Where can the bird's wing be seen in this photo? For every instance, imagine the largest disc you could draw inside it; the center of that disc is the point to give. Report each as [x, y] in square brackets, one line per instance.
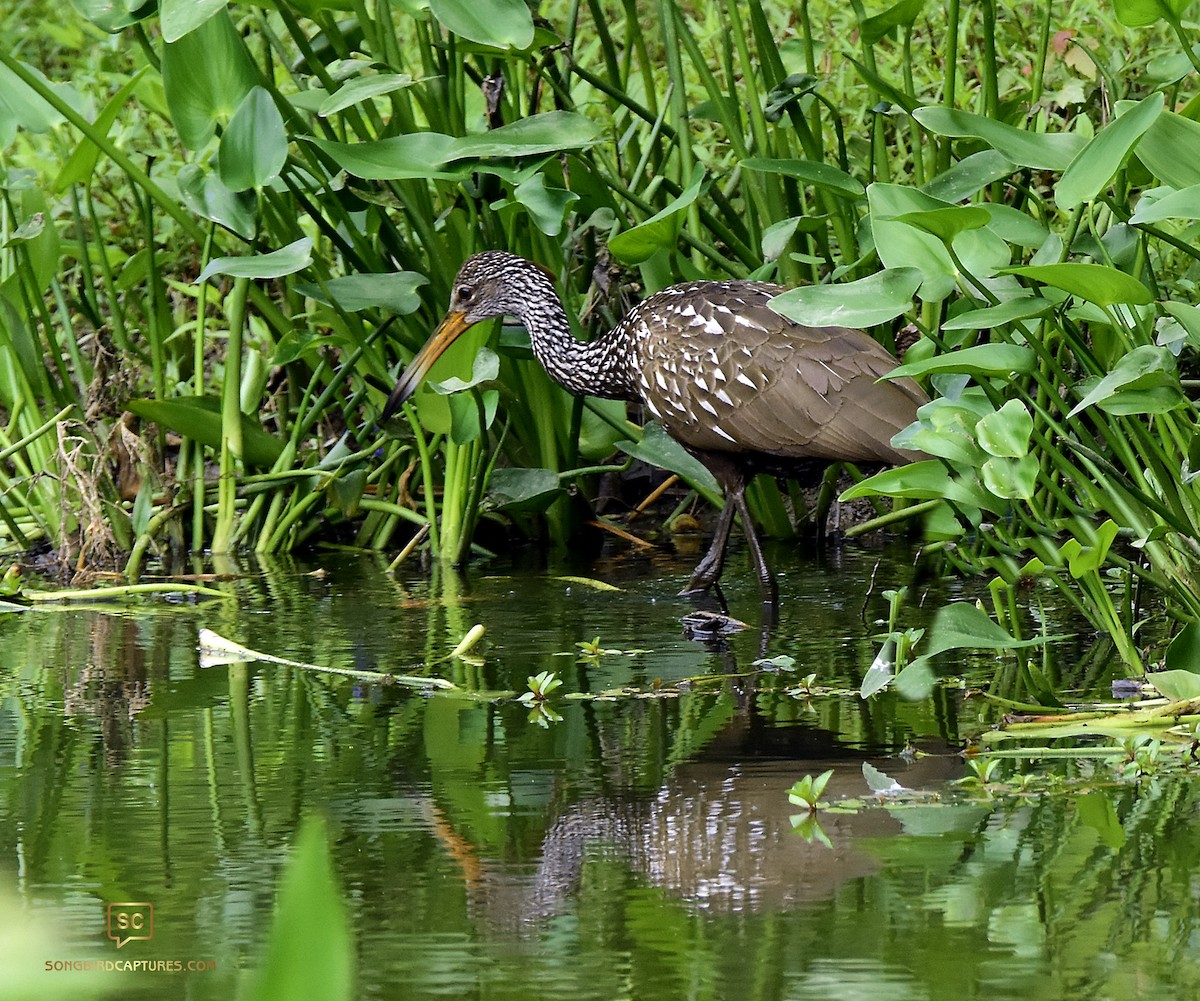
[725, 372]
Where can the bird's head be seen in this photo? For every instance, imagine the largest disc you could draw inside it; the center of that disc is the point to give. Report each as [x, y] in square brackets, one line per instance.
[491, 284]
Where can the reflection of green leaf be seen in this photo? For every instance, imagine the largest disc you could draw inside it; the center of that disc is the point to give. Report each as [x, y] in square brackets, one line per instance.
[1096, 810]
[310, 954]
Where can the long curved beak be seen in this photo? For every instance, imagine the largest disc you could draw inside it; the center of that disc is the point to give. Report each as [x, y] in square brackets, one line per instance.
[445, 335]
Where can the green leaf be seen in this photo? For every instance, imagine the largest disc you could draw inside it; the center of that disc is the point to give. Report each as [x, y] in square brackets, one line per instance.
[254, 144]
[1094, 167]
[1006, 432]
[962, 625]
[525, 491]
[114, 17]
[178, 17]
[1022, 308]
[947, 223]
[471, 414]
[1041, 151]
[873, 29]
[875, 299]
[82, 161]
[1011, 478]
[205, 195]
[968, 175]
[361, 89]
[395, 291]
[285, 261]
[504, 24]
[1096, 810]
[1084, 559]
[660, 231]
[199, 418]
[1175, 685]
[310, 954]
[659, 449]
[924, 480]
[484, 369]
[1147, 367]
[1182, 204]
[206, 74]
[1094, 282]
[983, 360]
[1184, 652]
[1170, 150]
[549, 132]
[1187, 316]
[417, 155]
[547, 207]
[821, 175]
[1140, 13]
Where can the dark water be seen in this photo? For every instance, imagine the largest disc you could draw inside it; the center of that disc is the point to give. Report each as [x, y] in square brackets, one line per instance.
[642, 847]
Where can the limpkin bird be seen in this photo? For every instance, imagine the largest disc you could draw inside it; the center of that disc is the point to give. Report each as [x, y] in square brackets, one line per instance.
[741, 387]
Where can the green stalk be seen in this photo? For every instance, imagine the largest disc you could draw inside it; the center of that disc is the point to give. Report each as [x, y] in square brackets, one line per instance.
[231, 419]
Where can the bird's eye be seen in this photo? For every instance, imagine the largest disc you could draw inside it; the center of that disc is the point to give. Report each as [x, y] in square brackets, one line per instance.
[465, 293]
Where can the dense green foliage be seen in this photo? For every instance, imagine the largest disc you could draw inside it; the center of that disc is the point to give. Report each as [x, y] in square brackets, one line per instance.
[235, 232]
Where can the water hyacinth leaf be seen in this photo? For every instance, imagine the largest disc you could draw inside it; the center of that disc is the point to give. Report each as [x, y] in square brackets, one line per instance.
[205, 75]
[1183, 654]
[777, 236]
[1094, 282]
[361, 89]
[1183, 204]
[1006, 432]
[199, 418]
[925, 480]
[879, 675]
[525, 491]
[254, 144]
[1021, 308]
[178, 17]
[916, 680]
[537, 135]
[659, 449]
[345, 492]
[1146, 367]
[547, 207]
[962, 625]
[310, 930]
[969, 175]
[204, 194]
[820, 175]
[875, 299]
[423, 155]
[1041, 151]
[873, 29]
[485, 369]
[660, 231]
[1140, 13]
[947, 223]
[395, 292]
[1094, 167]
[285, 261]
[980, 361]
[1187, 316]
[1175, 685]
[1170, 150]
[114, 17]
[504, 24]
[471, 414]
[1011, 478]
[903, 246]
[23, 108]
[1084, 559]
[1016, 227]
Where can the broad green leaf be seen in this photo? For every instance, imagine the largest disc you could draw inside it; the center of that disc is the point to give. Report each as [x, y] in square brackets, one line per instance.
[1140, 13]
[361, 89]
[1183, 654]
[659, 449]
[310, 953]
[1170, 150]
[345, 492]
[206, 74]
[205, 195]
[1146, 367]
[1096, 283]
[199, 418]
[875, 299]
[947, 223]
[1182, 204]
[1084, 559]
[549, 132]
[1041, 151]
[1022, 308]
[875, 28]
[471, 414]
[777, 236]
[881, 672]
[1006, 431]
[1017, 227]
[114, 17]
[485, 369]
[1094, 167]
[178, 17]
[660, 231]
[82, 161]
[254, 144]
[821, 175]
[1012, 478]
[505, 24]
[1175, 685]
[925, 480]
[982, 360]
[962, 625]
[547, 207]
[1187, 316]
[285, 261]
[527, 491]
[395, 291]
[970, 174]
[424, 155]
[23, 108]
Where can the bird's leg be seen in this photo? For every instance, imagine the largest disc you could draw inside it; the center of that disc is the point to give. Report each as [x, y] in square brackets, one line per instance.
[709, 569]
[765, 578]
